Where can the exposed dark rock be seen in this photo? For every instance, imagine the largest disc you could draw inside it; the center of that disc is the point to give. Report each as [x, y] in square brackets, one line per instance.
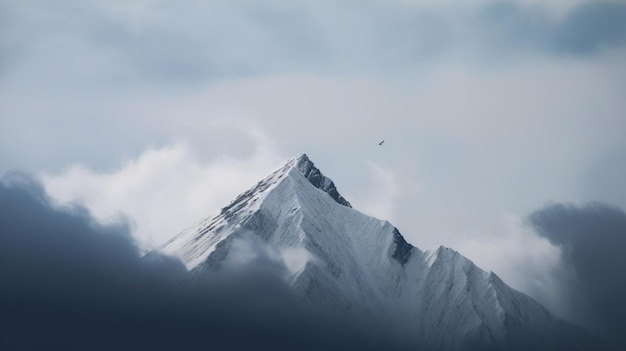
[403, 249]
[315, 177]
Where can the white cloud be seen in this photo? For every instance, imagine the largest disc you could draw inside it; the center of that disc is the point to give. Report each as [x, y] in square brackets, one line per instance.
[383, 193]
[249, 251]
[296, 258]
[526, 262]
[164, 189]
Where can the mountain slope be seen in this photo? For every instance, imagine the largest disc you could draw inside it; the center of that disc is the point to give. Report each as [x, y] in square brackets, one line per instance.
[339, 259]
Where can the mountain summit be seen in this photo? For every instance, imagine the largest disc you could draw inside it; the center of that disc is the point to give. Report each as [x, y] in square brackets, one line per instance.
[337, 258]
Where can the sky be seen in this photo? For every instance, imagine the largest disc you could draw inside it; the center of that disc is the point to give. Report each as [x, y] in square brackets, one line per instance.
[503, 121]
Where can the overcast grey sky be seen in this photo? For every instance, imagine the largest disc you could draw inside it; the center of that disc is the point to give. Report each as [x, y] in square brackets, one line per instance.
[163, 111]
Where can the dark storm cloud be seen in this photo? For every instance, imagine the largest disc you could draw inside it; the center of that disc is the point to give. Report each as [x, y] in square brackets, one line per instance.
[67, 282]
[586, 29]
[593, 241]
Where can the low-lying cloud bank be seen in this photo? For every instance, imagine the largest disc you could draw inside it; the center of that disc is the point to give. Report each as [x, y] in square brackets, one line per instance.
[68, 282]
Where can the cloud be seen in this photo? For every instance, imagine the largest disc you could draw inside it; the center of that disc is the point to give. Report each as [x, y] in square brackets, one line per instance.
[81, 89]
[83, 82]
[593, 27]
[163, 190]
[67, 282]
[569, 258]
[41, 244]
[592, 239]
[496, 143]
[157, 43]
[251, 253]
[526, 262]
[385, 188]
[585, 29]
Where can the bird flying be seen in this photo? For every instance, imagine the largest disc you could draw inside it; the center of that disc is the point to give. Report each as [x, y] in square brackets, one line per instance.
[381, 142]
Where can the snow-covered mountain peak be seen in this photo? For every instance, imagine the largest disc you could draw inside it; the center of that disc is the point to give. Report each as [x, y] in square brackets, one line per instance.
[338, 258]
[315, 177]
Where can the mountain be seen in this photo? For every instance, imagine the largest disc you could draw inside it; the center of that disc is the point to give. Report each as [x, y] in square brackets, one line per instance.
[341, 260]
